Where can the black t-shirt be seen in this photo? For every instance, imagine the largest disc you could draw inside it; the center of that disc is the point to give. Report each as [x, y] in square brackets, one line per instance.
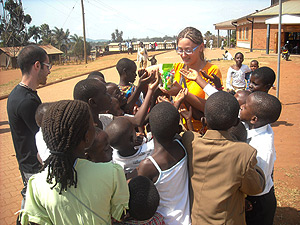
[21, 106]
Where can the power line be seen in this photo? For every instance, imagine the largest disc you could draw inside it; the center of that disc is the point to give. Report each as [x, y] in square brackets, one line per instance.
[69, 13]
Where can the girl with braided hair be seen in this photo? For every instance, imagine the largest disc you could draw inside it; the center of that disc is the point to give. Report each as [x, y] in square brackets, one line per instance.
[71, 189]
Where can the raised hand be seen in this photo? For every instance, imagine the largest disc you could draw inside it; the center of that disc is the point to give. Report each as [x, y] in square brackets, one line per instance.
[190, 74]
[181, 95]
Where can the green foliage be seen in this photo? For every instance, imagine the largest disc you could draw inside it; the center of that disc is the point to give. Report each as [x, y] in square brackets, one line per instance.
[34, 32]
[46, 34]
[117, 36]
[13, 24]
[78, 46]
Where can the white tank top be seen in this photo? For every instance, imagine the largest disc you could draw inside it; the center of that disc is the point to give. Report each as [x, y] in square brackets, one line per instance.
[172, 185]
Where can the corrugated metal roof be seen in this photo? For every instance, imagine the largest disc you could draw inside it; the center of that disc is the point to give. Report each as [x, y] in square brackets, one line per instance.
[291, 7]
[226, 25]
[14, 51]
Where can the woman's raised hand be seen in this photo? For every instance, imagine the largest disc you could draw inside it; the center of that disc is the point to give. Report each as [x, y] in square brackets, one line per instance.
[190, 74]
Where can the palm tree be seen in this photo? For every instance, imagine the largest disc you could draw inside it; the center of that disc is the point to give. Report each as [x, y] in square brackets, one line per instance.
[34, 32]
[45, 34]
[77, 44]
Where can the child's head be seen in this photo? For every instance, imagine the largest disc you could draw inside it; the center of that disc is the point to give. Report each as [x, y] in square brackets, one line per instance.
[226, 51]
[115, 107]
[100, 151]
[68, 128]
[164, 121]
[127, 70]
[241, 96]
[262, 79]
[94, 93]
[96, 75]
[144, 198]
[260, 109]
[254, 65]
[122, 135]
[115, 91]
[239, 132]
[221, 111]
[40, 112]
[239, 58]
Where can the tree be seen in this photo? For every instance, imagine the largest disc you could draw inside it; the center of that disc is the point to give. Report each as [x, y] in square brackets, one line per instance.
[46, 34]
[117, 36]
[12, 28]
[61, 38]
[208, 34]
[34, 32]
[78, 48]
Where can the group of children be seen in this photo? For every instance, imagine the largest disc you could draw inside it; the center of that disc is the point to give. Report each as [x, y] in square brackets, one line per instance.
[173, 177]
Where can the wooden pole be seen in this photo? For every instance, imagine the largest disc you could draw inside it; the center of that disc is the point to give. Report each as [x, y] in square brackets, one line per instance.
[84, 40]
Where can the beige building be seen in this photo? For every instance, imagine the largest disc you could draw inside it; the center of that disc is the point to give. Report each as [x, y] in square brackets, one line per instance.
[259, 30]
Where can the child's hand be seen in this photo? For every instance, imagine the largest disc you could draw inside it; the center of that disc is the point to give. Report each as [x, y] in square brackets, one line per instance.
[156, 76]
[145, 78]
[173, 90]
[181, 95]
[163, 99]
[213, 78]
[190, 74]
[186, 114]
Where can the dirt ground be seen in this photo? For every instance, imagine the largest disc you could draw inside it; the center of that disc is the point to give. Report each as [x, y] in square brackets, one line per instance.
[286, 129]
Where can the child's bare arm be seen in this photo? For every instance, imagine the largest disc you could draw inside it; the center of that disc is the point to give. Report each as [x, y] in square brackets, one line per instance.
[147, 169]
[187, 115]
[213, 78]
[139, 117]
[144, 80]
[180, 97]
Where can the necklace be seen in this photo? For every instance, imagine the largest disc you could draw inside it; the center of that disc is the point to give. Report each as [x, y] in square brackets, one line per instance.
[25, 86]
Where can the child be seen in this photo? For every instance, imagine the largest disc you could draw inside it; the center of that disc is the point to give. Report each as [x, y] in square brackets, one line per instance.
[260, 110]
[222, 170]
[143, 203]
[253, 66]
[227, 56]
[94, 93]
[262, 79]
[241, 96]
[153, 60]
[71, 189]
[122, 137]
[127, 72]
[100, 151]
[96, 75]
[237, 74]
[167, 167]
[43, 151]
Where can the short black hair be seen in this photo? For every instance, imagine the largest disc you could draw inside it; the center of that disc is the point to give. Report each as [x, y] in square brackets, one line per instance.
[40, 112]
[125, 63]
[86, 89]
[144, 198]
[29, 55]
[267, 107]
[221, 111]
[239, 132]
[266, 74]
[255, 61]
[96, 75]
[164, 121]
[238, 54]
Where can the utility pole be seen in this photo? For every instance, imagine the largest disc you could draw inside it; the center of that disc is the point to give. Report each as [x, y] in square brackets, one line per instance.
[84, 41]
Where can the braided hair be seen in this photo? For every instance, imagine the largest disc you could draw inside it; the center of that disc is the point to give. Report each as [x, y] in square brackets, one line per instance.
[194, 35]
[64, 126]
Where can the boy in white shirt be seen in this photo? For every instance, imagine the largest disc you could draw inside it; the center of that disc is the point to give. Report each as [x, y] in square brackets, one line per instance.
[260, 110]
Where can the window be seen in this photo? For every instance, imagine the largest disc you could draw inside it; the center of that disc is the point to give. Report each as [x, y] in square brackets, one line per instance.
[240, 33]
[247, 33]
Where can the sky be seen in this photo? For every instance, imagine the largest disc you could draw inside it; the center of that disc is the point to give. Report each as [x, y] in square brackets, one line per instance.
[138, 18]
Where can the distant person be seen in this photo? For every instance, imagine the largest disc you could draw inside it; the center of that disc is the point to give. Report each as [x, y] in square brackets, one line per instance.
[253, 66]
[260, 110]
[211, 41]
[262, 79]
[218, 186]
[222, 44]
[227, 56]
[142, 56]
[153, 60]
[120, 46]
[155, 46]
[165, 44]
[130, 47]
[22, 103]
[204, 41]
[236, 74]
[71, 189]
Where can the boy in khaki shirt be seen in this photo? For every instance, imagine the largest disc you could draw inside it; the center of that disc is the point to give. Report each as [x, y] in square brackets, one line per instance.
[221, 170]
